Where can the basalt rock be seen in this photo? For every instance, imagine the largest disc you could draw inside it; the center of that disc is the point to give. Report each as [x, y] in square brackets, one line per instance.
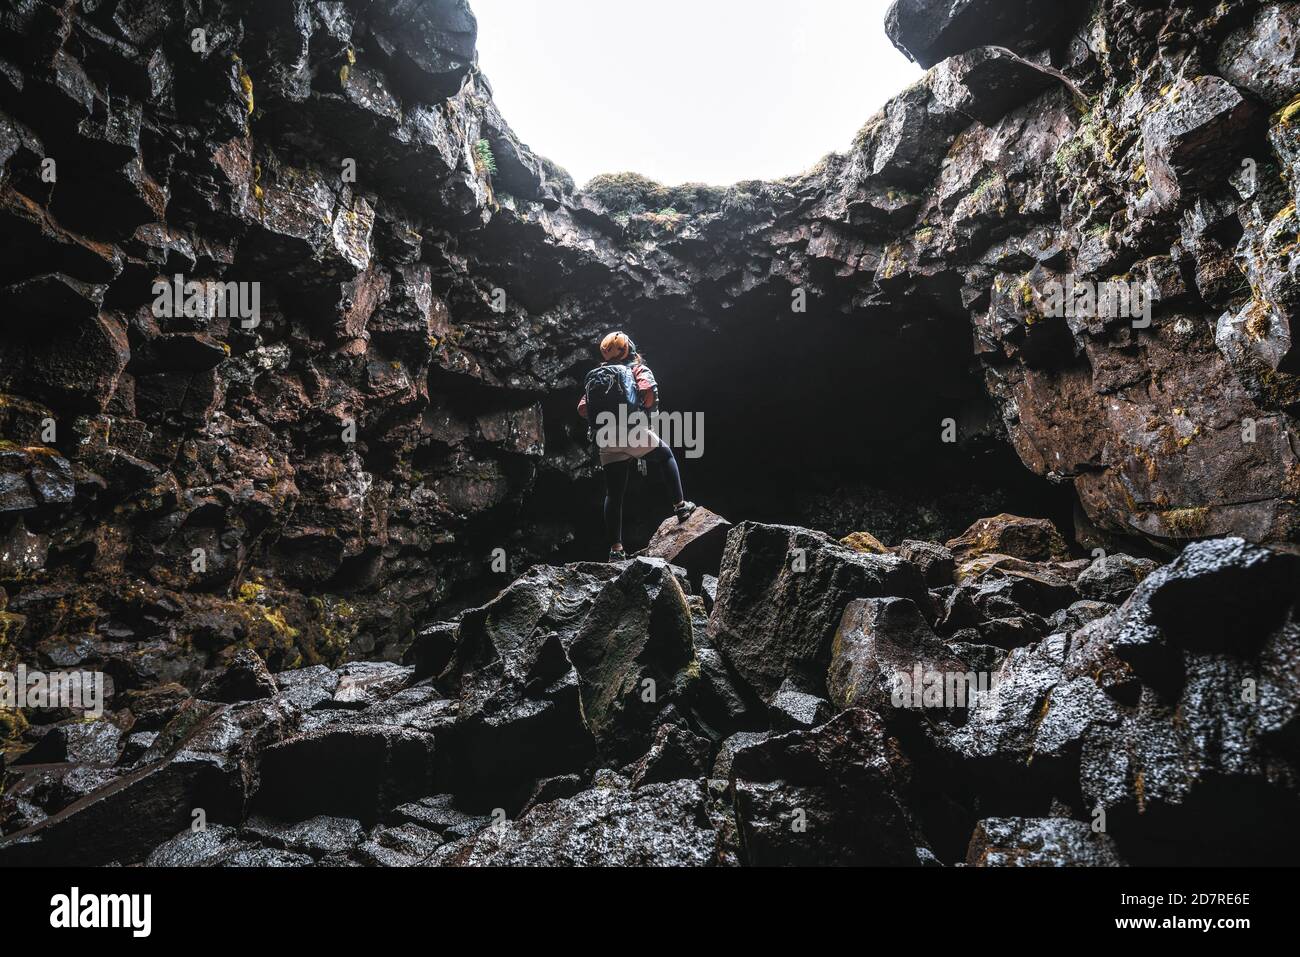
[254, 408]
[781, 593]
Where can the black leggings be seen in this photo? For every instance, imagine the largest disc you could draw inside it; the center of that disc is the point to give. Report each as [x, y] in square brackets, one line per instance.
[616, 474]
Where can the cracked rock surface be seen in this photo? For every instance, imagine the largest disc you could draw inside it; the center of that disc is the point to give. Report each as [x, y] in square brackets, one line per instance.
[277, 535]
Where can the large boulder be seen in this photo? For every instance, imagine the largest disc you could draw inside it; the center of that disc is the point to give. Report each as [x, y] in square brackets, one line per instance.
[832, 795]
[781, 594]
[1039, 842]
[928, 31]
[695, 544]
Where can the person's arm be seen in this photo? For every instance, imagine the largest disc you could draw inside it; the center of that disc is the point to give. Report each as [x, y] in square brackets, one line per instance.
[646, 386]
[582, 407]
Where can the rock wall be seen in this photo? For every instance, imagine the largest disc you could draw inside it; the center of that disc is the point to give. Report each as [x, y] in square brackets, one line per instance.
[176, 489]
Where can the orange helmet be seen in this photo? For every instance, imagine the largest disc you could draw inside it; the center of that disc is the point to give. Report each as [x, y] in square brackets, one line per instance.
[617, 347]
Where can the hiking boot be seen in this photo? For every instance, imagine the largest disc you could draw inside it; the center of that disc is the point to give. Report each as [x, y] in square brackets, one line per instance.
[617, 555]
[684, 511]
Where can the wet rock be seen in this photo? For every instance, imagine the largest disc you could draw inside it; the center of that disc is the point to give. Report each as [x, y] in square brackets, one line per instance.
[1261, 57]
[315, 837]
[1039, 842]
[403, 846]
[1031, 714]
[675, 753]
[1112, 578]
[833, 795]
[935, 561]
[1189, 140]
[440, 815]
[695, 544]
[1221, 595]
[988, 83]
[780, 597]
[1030, 539]
[431, 650]
[928, 31]
[654, 826]
[716, 697]
[205, 847]
[245, 678]
[553, 789]
[389, 766]
[126, 819]
[95, 742]
[793, 710]
[727, 751]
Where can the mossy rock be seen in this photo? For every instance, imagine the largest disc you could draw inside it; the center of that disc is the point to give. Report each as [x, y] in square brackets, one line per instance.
[864, 542]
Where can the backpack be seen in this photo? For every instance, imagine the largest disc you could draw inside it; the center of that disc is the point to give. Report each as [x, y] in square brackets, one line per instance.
[608, 388]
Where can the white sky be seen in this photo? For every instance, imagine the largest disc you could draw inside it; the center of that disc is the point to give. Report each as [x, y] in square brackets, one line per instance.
[714, 91]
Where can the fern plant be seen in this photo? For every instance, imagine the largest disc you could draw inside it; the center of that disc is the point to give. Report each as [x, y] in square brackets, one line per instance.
[484, 161]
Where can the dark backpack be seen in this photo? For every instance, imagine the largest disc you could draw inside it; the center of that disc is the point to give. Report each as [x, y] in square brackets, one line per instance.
[608, 388]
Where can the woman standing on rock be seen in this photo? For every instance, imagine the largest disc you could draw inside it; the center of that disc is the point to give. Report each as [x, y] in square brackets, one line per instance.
[618, 396]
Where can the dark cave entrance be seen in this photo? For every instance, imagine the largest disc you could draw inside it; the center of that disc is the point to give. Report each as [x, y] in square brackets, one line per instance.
[831, 420]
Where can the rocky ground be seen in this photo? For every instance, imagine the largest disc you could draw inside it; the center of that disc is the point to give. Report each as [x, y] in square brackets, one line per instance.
[253, 530]
[615, 714]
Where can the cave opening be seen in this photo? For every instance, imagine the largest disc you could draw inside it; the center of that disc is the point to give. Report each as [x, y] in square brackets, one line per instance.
[832, 419]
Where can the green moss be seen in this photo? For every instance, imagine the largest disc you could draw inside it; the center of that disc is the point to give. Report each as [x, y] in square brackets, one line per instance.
[637, 195]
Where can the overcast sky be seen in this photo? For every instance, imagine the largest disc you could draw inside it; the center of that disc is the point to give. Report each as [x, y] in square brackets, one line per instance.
[715, 91]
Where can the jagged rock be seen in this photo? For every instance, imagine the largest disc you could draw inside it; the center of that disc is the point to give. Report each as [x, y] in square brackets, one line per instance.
[988, 83]
[935, 561]
[833, 795]
[675, 753]
[176, 489]
[727, 751]
[126, 819]
[403, 846]
[780, 597]
[792, 710]
[1213, 639]
[245, 678]
[656, 826]
[95, 742]
[1041, 842]
[1030, 539]
[1262, 56]
[695, 544]
[716, 698]
[1112, 578]
[931, 30]
[879, 646]
[1189, 140]
[432, 649]
[205, 847]
[388, 766]
[316, 837]
[864, 542]
[440, 815]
